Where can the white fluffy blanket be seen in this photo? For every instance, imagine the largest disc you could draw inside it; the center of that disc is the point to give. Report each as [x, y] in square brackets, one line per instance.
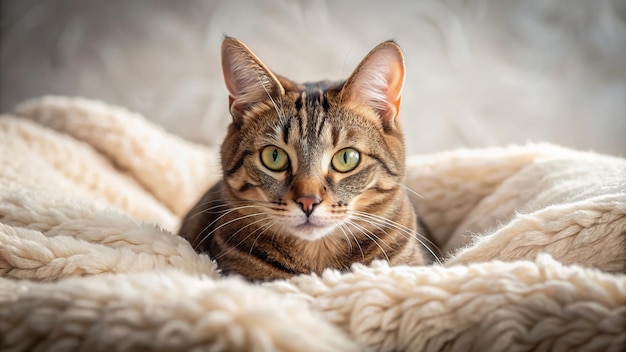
[90, 195]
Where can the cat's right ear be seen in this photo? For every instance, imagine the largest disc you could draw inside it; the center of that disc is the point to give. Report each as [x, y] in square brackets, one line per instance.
[377, 81]
[248, 80]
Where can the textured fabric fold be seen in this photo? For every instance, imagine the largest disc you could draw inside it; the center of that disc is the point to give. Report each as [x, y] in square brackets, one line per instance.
[91, 196]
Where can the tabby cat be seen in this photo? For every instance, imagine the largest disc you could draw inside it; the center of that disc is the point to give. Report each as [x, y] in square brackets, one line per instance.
[312, 173]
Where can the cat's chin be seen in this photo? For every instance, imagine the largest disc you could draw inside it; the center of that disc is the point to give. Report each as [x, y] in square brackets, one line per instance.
[310, 232]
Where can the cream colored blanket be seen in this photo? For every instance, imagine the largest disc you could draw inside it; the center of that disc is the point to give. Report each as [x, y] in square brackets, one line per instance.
[90, 196]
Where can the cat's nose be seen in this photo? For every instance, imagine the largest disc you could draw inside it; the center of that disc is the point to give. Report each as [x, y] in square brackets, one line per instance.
[308, 203]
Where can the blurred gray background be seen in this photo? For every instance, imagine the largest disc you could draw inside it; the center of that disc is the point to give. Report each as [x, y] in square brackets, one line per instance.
[479, 72]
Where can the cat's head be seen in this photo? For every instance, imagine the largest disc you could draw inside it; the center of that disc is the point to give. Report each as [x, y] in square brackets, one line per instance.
[308, 159]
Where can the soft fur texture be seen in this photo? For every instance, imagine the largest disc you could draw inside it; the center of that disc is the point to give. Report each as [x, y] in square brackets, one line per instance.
[90, 195]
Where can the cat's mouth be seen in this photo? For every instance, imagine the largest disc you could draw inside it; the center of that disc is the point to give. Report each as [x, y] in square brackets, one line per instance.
[311, 230]
[307, 225]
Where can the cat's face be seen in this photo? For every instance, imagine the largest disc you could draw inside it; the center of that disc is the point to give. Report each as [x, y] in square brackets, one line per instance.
[307, 160]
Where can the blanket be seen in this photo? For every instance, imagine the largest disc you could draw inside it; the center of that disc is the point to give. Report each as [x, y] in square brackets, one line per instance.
[91, 196]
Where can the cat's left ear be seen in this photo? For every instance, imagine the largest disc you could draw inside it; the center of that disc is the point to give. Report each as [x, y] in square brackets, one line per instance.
[377, 81]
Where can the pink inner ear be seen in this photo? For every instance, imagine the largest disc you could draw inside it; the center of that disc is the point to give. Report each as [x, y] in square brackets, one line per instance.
[242, 76]
[378, 81]
[231, 85]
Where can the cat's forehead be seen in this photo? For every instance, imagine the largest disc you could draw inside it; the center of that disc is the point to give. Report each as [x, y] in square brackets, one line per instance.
[316, 117]
[311, 90]
[309, 118]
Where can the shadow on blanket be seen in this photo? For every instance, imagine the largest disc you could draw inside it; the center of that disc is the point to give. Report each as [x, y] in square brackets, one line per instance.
[90, 195]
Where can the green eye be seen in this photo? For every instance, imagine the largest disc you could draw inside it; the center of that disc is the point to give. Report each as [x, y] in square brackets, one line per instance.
[274, 158]
[346, 160]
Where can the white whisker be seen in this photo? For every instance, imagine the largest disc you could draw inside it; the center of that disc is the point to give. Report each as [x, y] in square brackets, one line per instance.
[271, 99]
[347, 239]
[245, 238]
[264, 230]
[403, 230]
[226, 223]
[244, 227]
[365, 231]
[355, 240]
[228, 206]
[410, 190]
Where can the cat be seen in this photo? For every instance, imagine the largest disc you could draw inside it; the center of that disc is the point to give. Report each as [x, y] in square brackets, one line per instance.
[312, 173]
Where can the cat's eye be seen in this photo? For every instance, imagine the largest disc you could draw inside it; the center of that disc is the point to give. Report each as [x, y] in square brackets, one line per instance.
[346, 160]
[274, 158]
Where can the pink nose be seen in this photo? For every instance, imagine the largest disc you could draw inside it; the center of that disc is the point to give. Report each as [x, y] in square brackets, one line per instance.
[308, 203]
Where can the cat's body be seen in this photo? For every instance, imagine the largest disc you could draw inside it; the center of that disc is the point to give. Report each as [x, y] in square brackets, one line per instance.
[312, 173]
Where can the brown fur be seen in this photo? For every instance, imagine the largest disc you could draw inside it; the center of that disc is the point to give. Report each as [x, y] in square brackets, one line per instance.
[252, 222]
